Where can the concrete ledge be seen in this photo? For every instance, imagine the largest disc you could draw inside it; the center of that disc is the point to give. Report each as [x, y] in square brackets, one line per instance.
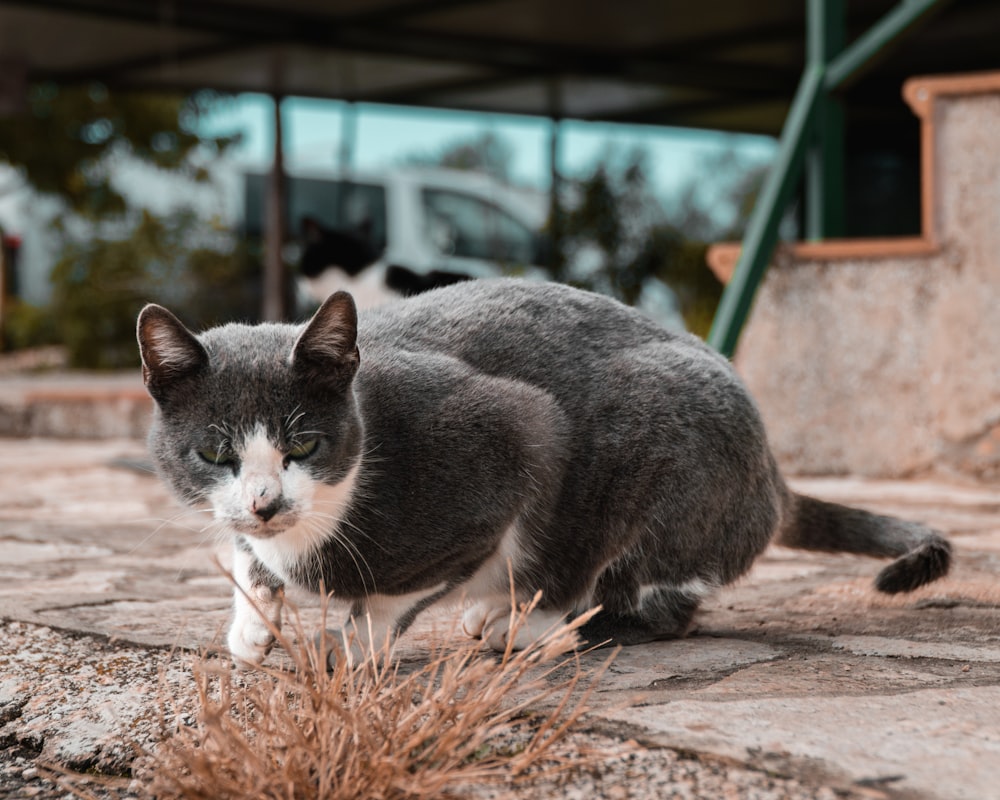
[878, 357]
[74, 406]
[722, 257]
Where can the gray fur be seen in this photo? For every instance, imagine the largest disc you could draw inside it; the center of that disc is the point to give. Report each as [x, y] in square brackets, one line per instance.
[630, 459]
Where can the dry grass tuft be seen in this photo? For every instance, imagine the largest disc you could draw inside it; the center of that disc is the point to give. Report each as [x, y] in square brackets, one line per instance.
[377, 729]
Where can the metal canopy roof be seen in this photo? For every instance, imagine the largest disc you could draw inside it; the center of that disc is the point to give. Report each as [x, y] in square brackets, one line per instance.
[722, 64]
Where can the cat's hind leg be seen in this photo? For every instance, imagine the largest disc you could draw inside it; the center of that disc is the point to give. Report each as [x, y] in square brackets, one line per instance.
[490, 616]
[663, 612]
[491, 622]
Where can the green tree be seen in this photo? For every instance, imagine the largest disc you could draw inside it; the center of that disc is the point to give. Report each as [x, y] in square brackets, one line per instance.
[102, 282]
[718, 209]
[486, 152]
[622, 235]
[68, 144]
[70, 138]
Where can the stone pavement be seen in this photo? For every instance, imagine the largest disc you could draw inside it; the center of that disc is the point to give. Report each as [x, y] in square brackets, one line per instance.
[800, 670]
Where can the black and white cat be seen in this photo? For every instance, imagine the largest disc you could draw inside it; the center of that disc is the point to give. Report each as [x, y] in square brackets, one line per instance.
[407, 457]
[340, 260]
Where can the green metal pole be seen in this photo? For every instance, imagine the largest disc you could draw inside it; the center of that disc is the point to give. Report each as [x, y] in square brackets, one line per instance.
[824, 168]
[762, 231]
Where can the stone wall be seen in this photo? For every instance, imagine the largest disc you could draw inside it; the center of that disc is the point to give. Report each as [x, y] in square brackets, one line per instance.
[884, 360]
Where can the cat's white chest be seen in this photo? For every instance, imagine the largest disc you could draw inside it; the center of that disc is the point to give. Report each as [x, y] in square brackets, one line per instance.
[320, 520]
[367, 287]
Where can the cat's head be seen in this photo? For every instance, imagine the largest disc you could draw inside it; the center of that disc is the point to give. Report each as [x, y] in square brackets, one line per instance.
[254, 420]
[347, 250]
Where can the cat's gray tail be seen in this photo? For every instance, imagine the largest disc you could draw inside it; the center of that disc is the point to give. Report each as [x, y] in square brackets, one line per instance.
[922, 554]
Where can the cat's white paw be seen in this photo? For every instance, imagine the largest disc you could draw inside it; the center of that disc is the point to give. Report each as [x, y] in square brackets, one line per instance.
[249, 642]
[250, 638]
[480, 616]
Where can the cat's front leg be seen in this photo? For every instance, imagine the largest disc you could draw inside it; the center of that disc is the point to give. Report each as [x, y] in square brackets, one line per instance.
[363, 634]
[259, 597]
[376, 622]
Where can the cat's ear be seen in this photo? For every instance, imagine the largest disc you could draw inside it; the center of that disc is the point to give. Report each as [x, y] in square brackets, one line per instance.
[329, 343]
[312, 230]
[170, 352]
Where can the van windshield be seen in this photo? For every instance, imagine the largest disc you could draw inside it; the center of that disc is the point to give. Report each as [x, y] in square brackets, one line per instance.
[467, 227]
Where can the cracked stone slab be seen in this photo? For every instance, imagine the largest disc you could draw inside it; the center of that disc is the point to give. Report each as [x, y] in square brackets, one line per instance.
[919, 741]
[17, 552]
[780, 671]
[641, 668]
[811, 675]
[82, 702]
[904, 648]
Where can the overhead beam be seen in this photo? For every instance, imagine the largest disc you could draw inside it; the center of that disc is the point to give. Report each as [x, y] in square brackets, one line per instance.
[324, 31]
[686, 113]
[407, 9]
[110, 71]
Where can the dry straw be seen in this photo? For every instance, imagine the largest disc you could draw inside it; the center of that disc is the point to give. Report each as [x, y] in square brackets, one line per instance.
[378, 728]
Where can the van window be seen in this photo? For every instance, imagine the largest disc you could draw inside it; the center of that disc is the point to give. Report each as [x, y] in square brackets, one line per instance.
[338, 205]
[465, 226]
[360, 207]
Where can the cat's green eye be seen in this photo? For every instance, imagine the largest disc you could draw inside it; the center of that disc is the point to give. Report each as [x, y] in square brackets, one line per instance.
[218, 458]
[301, 450]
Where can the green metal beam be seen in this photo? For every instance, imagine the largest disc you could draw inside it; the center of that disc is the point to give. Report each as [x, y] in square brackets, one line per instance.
[873, 44]
[812, 111]
[762, 231]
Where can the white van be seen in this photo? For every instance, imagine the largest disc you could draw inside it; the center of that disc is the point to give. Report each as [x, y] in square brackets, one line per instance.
[423, 219]
[432, 220]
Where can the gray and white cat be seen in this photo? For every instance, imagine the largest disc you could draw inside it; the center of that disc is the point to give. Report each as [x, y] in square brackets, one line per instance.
[407, 457]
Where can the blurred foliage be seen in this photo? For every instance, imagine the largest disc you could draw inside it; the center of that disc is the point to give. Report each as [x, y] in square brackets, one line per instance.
[717, 208]
[26, 325]
[101, 282]
[115, 257]
[69, 139]
[486, 152]
[616, 234]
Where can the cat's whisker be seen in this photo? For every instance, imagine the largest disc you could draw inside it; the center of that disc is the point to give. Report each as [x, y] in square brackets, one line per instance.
[214, 530]
[222, 429]
[338, 521]
[168, 522]
[367, 456]
[293, 418]
[355, 554]
[317, 519]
